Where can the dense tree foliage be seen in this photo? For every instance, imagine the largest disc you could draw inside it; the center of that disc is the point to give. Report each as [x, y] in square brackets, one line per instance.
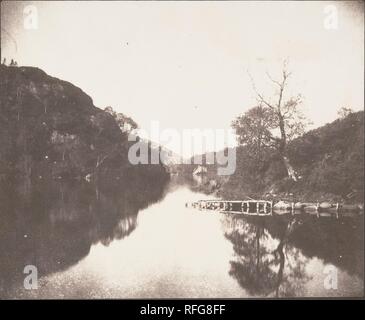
[329, 162]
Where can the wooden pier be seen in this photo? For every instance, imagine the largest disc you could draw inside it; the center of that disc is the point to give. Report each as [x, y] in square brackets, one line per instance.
[267, 208]
[248, 207]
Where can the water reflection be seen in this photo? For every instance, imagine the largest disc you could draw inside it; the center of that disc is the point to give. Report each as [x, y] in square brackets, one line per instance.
[54, 225]
[286, 256]
[90, 242]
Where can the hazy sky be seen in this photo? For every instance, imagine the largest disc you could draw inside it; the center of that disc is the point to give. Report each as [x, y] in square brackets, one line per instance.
[185, 64]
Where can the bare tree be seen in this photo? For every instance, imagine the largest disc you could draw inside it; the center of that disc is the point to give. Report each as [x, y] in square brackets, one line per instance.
[285, 117]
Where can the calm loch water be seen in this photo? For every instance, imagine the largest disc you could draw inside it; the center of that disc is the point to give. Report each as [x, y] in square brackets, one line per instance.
[92, 246]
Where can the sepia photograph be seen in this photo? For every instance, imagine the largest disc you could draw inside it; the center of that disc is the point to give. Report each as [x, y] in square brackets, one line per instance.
[182, 150]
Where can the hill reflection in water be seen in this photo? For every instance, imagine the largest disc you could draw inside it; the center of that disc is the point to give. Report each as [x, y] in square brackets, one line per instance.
[86, 244]
[53, 225]
[284, 256]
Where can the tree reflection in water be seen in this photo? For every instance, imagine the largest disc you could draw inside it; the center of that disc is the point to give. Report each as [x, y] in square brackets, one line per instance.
[54, 225]
[271, 253]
